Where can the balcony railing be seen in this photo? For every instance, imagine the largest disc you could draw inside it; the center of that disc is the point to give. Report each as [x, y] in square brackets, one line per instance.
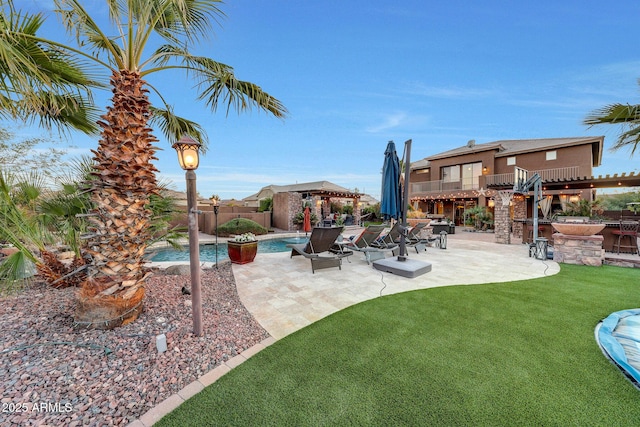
[436, 186]
[489, 180]
[546, 175]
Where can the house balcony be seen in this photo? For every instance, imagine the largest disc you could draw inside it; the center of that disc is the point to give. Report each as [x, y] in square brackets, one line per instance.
[448, 189]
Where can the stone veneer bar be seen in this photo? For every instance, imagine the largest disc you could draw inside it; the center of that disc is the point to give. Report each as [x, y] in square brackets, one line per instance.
[581, 250]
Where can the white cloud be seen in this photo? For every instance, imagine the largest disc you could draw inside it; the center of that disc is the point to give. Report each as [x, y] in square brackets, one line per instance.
[389, 122]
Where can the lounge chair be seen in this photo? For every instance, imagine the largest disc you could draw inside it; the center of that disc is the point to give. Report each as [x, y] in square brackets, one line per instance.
[321, 240]
[366, 243]
[412, 238]
[415, 240]
[390, 239]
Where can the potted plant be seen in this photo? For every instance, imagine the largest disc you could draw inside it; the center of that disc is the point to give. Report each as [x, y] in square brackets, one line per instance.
[581, 218]
[242, 248]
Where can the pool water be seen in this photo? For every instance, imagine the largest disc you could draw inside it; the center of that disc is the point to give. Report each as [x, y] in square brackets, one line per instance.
[208, 251]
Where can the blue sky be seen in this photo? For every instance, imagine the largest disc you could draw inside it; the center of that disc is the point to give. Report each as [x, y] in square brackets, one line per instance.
[356, 74]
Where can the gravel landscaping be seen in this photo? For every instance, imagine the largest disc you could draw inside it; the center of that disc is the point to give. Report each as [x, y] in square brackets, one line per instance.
[53, 374]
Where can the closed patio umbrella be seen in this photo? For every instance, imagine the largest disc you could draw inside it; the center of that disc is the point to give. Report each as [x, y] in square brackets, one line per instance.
[391, 198]
[307, 220]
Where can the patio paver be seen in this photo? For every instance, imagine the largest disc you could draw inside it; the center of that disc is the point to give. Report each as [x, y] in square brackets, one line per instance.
[284, 295]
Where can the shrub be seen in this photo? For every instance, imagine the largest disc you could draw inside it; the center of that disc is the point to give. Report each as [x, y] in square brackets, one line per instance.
[373, 209]
[583, 207]
[479, 217]
[336, 207]
[266, 205]
[299, 218]
[240, 226]
[416, 214]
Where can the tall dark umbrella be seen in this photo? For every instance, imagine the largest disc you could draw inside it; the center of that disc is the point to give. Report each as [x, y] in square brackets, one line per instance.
[391, 197]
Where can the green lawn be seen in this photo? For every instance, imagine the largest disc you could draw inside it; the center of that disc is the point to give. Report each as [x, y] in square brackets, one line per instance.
[518, 353]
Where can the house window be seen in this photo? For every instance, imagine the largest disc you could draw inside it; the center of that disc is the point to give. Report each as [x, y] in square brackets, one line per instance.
[470, 175]
[551, 155]
[451, 173]
[511, 161]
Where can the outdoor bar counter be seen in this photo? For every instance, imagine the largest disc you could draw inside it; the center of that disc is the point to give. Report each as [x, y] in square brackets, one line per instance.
[546, 230]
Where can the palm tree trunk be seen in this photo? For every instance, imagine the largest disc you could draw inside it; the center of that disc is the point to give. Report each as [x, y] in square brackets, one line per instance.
[124, 178]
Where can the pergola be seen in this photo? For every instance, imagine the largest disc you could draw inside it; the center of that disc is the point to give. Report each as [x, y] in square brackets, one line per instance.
[322, 201]
[501, 214]
[608, 181]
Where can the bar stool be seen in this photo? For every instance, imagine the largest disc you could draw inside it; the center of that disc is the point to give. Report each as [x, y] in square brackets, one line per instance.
[628, 230]
[540, 231]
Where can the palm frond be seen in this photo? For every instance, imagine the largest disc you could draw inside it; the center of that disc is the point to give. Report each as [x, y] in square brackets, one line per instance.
[614, 114]
[626, 115]
[630, 138]
[183, 19]
[217, 83]
[40, 80]
[61, 110]
[16, 270]
[174, 127]
[88, 33]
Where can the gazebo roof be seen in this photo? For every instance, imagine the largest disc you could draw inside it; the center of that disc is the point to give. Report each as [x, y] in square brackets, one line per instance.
[321, 188]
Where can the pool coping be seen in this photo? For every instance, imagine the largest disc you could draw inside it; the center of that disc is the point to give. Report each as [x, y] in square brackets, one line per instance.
[207, 239]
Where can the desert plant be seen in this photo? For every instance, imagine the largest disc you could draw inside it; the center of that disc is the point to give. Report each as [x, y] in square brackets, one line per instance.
[336, 207]
[240, 226]
[373, 211]
[39, 217]
[583, 207]
[299, 218]
[266, 205]
[416, 214]
[478, 216]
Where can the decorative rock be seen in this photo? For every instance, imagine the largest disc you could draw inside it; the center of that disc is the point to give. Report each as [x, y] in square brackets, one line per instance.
[101, 387]
[179, 270]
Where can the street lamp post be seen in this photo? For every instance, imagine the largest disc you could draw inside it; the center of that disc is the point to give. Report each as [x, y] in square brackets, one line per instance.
[188, 157]
[215, 212]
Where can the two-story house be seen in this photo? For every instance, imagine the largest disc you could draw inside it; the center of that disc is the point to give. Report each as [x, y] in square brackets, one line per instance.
[448, 183]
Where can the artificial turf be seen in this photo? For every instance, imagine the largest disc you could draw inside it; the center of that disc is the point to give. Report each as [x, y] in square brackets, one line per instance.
[517, 353]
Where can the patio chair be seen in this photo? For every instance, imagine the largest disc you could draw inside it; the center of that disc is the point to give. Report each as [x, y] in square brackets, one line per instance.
[365, 243]
[321, 240]
[415, 240]
[392, 239]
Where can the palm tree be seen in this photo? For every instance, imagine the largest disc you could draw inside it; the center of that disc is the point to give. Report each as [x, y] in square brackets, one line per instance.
[624, 115]
[124, 176]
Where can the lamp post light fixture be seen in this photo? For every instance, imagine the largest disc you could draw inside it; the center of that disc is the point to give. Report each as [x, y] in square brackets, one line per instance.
[215, 212]
[188, 157]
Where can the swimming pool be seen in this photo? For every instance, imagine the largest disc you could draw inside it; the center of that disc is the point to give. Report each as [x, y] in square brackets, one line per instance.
[208, 251]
